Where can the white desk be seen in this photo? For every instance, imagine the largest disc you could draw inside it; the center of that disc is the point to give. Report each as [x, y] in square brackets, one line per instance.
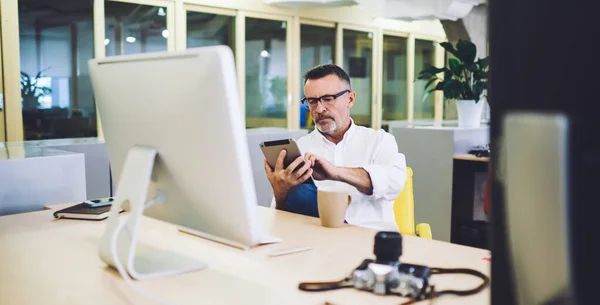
[46, 261]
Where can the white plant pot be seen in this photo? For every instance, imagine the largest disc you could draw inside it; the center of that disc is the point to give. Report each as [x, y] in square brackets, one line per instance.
[469, 112]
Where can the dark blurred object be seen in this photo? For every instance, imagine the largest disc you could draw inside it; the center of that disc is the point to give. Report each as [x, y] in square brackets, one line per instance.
[57, 123]
[472, 233]
[480, 151]
[541, 56]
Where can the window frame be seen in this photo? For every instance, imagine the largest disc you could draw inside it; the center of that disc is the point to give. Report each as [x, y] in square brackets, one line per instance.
[409, 84]
[293, 114]
[375, 79]
[99, 19]
[299, 91]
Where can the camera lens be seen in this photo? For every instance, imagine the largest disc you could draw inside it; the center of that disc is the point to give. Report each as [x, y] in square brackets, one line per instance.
[388, 247]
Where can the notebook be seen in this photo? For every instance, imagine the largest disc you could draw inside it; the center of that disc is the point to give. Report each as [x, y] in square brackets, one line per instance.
[84, 212]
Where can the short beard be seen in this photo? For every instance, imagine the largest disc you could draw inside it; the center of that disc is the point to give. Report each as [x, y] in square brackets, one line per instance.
[330, 130]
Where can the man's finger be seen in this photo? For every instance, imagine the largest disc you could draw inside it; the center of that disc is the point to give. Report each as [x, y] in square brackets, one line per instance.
[306, 175]
[294, 164]
[311, 158]
[303, 169]
[268, 168]
[280, 159]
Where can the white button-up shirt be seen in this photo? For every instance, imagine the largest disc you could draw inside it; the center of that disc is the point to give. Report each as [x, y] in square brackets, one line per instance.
[377, 153]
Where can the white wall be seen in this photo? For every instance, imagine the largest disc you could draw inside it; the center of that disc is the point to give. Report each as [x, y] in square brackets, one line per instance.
[476, 24]
[355, 15]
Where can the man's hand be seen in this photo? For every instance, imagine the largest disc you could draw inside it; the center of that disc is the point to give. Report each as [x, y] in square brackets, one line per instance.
[322, 169]
[283, 180]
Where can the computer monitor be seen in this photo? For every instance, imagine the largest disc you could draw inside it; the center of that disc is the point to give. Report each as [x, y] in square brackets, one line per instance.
[174, 132]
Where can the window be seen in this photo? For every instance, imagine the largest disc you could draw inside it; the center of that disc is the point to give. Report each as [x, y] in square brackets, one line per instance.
[266, 73]
[424, 58]
[358, 63]
[316, 47]
[205, 29]
[133, 28]
[394, 105]
[56, 41]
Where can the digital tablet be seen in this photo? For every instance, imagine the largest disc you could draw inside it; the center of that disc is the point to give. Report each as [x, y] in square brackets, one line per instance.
[271, 151]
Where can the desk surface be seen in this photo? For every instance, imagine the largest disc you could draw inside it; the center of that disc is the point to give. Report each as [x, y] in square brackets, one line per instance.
[469, 157]
[46, 261]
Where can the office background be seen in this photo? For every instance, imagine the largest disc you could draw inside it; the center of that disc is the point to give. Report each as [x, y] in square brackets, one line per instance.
[273, 46]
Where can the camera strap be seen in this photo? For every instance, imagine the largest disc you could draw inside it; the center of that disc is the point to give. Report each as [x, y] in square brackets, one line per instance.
[432, 293]
[429, 295]
[324, 286]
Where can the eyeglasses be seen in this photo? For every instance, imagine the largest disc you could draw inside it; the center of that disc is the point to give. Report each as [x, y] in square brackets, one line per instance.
[325, 99]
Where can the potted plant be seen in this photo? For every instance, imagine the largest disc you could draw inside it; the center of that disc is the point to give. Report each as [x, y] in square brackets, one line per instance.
[464, 80]
[31, 91]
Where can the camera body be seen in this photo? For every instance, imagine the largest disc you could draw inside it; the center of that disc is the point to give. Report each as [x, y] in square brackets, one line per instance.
[386, 274]
[391, 278]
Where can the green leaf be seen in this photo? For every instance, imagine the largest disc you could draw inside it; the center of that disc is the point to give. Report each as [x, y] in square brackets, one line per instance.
[430, 82]
[478, 89]
[472, 67]
[480, 75]
[466, 51]
[467, 92]
[483, 63]
[429, 72]
[449, 48]
[454, 64]
[425, 76]
[448, 74]
[452, 89]
[425, 96]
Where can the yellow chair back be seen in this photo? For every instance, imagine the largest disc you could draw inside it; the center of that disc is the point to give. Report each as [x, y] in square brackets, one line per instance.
[404, 206]
[404, 211]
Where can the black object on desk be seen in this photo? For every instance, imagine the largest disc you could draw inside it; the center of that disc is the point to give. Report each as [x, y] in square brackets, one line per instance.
[83, 211]
[480, 151]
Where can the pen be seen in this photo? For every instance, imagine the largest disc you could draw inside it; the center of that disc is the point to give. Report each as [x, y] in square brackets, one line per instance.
[289, 251]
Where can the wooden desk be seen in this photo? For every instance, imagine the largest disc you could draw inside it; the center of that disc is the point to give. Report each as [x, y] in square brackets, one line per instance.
[469, 157]
[46, 261]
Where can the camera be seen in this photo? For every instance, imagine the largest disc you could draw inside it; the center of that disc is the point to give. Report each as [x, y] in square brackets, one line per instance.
[386, 274]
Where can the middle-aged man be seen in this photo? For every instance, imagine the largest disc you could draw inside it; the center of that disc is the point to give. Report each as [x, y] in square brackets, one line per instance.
[341, 153]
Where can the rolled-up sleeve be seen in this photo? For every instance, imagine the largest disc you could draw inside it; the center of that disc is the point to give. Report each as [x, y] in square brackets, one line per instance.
[387, 169]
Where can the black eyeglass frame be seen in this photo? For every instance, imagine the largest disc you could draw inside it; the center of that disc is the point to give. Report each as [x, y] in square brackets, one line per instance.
[307, 101]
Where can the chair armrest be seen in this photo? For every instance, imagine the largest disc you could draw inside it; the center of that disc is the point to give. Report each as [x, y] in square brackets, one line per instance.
[424, 231]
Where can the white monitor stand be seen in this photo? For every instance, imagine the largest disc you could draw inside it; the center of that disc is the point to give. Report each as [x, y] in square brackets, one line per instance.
[120, 236]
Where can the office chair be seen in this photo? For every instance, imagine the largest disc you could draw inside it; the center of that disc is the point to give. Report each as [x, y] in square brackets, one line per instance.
[404, 211]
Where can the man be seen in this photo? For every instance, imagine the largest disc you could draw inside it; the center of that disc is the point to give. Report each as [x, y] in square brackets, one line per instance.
[339, 152]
